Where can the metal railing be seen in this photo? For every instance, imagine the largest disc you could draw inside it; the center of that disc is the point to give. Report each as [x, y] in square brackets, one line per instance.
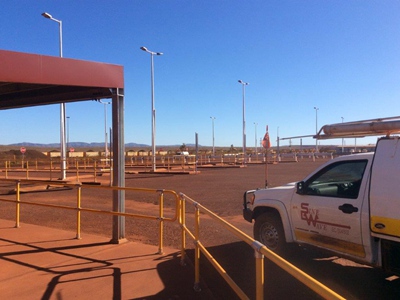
[79, 208]
[260, 250]
[50, 167]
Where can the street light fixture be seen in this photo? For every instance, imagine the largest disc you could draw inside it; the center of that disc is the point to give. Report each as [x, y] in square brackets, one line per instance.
[153, 110]
[213, 140]
[244, 118]
[63, 150]
[316, 128]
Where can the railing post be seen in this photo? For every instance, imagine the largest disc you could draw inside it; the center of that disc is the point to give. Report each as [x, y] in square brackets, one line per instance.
[161, 220]
[6, 169]
[78, 211]
[17, 205]
[259, 262]
[51, 169]
[95, 170]
[27, 169]
[77, 170]
[197, 249]
[182, 223]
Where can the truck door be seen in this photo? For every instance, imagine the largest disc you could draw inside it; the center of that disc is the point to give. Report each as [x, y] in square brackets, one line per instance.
[327, 212]
[384, 191]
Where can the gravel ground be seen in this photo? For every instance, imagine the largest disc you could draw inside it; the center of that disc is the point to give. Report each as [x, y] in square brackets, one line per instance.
[219, 189]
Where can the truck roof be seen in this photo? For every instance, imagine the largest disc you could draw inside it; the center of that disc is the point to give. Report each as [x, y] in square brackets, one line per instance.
[367, 155]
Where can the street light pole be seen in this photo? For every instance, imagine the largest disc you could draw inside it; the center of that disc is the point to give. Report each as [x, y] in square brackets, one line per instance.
[153, 110]
[244, 118]
[277, 142]
[63, 149]
[316, 128]
[342, 139]
[68, 132]
[105, 129]
[255, 139]
[213, 140]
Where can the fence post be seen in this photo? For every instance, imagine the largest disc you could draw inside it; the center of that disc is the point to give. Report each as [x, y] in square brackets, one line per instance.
[27, 169]
[95, 170]
[77, 170]
[78, 211]
[17, 206]
[6, 169]
[51, 169]
[197, 287]
[182, 223]
[259, 260]
[161, 220]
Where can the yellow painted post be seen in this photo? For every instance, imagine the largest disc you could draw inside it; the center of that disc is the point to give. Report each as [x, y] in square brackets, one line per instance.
[6, 169]
[182, 221]
[17, 209]
[78, 212]
[95, 165]
[27, 169]
[197, 249]
[77, 170]
[161, 220]
[51, 169]
[259, 260]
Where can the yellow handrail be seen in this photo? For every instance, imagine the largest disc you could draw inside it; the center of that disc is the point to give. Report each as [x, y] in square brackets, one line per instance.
[261, 251]
[78, 207]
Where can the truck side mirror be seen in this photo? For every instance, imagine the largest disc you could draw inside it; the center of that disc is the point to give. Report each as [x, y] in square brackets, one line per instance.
[300, 187]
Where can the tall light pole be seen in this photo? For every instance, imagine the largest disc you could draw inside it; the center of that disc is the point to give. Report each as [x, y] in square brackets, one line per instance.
[213, 140]
[244, 117]
[105, 129]
[316, 128]
[153, 110]
[68, 132]
[255, 138]
[342, 139]
[63, 149]
[277, 142]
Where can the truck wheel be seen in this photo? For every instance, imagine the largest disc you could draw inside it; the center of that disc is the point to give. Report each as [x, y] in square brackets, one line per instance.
[269, 231]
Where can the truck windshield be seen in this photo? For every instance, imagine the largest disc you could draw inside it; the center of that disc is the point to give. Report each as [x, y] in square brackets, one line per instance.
[341, 179]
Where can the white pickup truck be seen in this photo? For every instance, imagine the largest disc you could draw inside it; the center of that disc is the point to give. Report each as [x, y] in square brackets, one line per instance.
[350, 205]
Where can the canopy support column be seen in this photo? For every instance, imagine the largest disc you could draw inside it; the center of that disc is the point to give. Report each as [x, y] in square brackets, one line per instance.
[118, 164]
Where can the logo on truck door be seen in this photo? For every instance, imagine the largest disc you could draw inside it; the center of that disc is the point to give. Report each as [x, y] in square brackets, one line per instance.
[311, 216]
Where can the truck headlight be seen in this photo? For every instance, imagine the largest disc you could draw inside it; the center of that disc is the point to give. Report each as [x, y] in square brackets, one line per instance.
[250, 198]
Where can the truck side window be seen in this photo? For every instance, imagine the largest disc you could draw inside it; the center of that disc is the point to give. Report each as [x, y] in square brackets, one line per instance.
[341, 180]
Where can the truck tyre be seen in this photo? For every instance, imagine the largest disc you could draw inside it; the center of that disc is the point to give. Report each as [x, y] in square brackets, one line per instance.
[269, 231]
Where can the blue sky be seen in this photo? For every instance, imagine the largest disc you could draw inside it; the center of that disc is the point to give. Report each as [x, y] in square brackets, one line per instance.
[340, 56]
